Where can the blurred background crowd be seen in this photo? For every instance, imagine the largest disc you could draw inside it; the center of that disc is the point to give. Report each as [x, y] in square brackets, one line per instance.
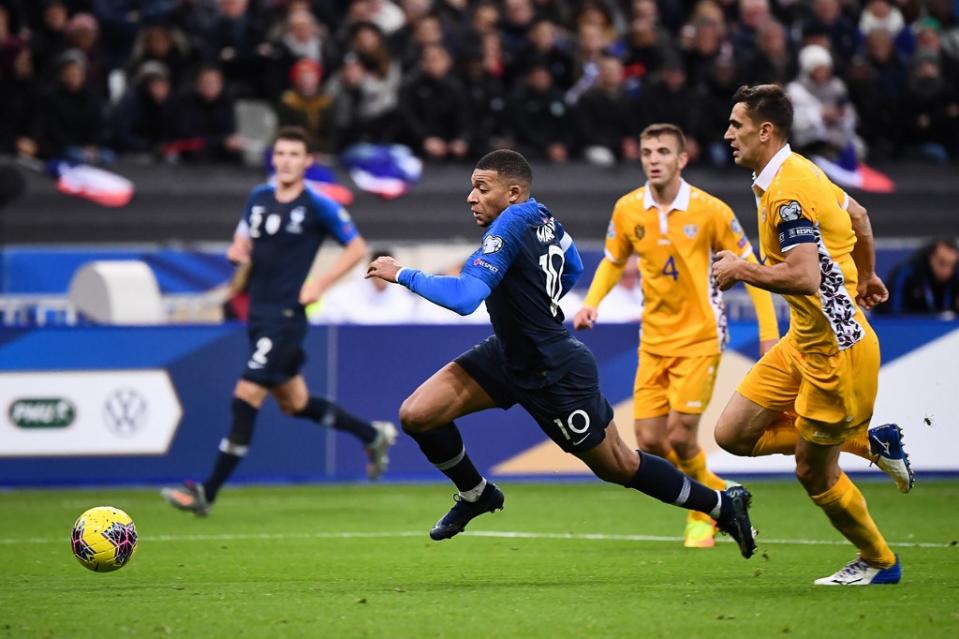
[556, 79]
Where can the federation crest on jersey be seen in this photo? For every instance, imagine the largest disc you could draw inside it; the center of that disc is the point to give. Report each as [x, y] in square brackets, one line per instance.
[610, 231]
[736, 227]
[546, 233]
[790, 211]
[491, 244]
[640, 231]
[297, 216]
[344, 215]
[690, 230]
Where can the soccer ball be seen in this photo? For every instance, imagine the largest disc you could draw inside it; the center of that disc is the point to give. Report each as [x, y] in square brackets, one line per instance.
[104, 539]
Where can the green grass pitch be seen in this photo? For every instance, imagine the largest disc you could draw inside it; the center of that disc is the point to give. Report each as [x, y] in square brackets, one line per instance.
[562, 560]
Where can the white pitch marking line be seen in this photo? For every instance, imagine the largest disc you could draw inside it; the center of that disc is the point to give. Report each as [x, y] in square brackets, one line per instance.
[495, 534]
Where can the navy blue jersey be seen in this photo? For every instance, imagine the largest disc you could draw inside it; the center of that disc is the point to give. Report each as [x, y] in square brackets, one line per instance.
[285, 238]
[523, 262]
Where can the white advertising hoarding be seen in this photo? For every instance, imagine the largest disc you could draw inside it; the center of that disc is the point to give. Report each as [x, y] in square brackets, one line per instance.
[110, 412]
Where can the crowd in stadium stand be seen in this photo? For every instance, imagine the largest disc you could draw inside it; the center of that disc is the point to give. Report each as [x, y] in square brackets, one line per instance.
[556, 79]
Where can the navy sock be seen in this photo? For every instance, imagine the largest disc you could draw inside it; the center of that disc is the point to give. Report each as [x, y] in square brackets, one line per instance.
[658, 478]
[329, 414]
[232, 448]
[444, 448]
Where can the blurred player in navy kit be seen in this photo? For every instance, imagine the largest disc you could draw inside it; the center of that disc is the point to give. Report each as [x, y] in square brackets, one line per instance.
[281, 231]
[525, 264]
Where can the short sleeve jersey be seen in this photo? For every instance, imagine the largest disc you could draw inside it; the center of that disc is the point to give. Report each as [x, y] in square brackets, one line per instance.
[797, 204]
[285, 238]
[522, 260]
[683, 313]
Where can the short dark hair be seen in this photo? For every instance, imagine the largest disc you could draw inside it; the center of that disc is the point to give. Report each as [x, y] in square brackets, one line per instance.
[665, 128]
[296, 134]
[381, 252]
[507, 163]
[767, 103]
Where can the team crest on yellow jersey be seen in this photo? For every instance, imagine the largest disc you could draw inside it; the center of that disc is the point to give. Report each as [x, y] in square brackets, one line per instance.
[690, 230]
[640, 231]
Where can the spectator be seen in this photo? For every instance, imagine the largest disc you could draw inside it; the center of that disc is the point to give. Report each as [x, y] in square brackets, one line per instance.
[71, 114]
[711, 116]
[605, 117]
[538, 121]
[434, 108]
[706, 45]
[207, 121]
[890, 71]
[18, 103]
[590, 45]
[484, 91]
[944, 13]
[543, 42]
[752, 15]
[366, 90]
[929, 43]
[367, 301]
[306, 104]
[518, 17]
[646, 48]
[926, 283]
[844, 37]
[145, 120]
[83, 34]
[824, 120]
[882, 14]
[933, 112]
[773, 61]
[49, 40]
[237, 42]
[670, 99]
[427, 31]
[302, 38]
[121, 22]
[159, 42]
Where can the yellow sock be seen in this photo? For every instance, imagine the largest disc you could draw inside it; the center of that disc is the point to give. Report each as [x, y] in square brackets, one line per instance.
[846, 508]
[695, 467]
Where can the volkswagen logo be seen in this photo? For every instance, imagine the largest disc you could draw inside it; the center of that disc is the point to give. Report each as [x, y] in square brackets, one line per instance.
[125, 412]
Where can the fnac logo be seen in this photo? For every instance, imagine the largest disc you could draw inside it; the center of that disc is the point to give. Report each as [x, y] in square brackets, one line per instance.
[41, 412]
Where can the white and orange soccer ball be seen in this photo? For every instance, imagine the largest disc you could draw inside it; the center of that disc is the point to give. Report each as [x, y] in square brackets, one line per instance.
[104, 539]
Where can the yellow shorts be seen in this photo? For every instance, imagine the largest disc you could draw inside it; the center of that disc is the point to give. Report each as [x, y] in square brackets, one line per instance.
[832, 395]
[682, 384]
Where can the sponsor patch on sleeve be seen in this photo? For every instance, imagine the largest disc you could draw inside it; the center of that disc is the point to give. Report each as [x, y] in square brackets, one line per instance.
[480, 262]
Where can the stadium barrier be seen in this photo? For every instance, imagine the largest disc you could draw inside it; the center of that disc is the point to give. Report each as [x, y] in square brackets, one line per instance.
[142, 405]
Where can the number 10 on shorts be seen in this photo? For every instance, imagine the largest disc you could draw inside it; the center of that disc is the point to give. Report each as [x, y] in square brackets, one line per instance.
[576, 428]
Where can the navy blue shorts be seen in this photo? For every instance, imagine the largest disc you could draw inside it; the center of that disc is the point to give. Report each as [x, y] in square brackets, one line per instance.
[276, 350]
[572, 411]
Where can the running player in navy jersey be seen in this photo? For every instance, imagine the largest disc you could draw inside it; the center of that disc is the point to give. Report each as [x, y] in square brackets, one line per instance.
[526, 263]
[281, 231]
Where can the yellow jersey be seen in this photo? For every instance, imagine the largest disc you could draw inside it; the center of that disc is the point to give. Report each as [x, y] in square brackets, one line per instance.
[797, 204]
[683, 314]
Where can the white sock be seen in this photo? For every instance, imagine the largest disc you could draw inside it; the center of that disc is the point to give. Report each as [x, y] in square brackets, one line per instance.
[474, 493]
[714, 513]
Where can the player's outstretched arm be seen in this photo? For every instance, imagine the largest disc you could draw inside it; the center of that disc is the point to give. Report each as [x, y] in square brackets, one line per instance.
[870, 290]
[606, 277]
[314, 287]
[797, 275]
[461, 294]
